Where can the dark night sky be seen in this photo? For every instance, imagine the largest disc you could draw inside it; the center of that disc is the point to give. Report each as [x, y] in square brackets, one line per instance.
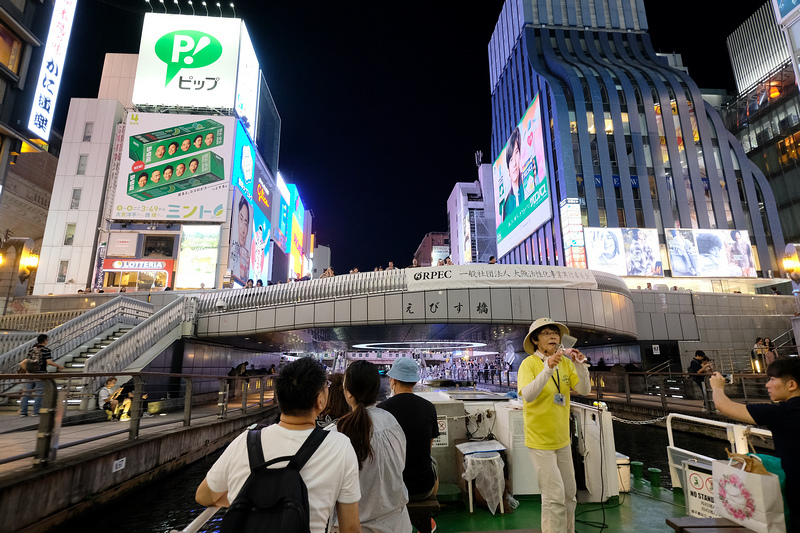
[382, 104]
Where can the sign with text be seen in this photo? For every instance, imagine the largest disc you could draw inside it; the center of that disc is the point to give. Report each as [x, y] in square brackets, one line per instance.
[698, 490]
[51, 70]
[470, 276]
[175, 168]
[187, 61]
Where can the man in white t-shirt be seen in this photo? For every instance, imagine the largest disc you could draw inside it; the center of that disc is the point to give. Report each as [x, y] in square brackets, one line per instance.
[330, 475]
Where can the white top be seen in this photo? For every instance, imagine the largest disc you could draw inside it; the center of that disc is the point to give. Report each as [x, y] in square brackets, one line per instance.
[383, 507]
[330, 475]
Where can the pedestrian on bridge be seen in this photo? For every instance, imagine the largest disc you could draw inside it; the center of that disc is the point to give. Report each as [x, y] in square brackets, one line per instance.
[36, 362]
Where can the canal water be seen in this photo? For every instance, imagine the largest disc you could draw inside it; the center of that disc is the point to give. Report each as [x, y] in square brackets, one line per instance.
[167, 504]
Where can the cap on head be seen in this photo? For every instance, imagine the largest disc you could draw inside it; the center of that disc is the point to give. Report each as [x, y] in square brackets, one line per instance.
[540, 323]
[405, 370]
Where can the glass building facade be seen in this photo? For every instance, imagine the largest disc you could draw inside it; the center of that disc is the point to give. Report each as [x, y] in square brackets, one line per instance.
[629, 141]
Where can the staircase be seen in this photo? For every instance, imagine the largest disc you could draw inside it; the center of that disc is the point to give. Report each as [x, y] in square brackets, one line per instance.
[77, 362]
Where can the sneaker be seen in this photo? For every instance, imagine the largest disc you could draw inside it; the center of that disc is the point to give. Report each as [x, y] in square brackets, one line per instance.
[433, 526]
[147, 415]
[23, 415]
[125, 417]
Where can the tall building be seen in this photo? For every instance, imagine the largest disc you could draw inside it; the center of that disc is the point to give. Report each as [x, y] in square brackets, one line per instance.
[434, 246]
[471, 224]
[765, 115]
[607, 157]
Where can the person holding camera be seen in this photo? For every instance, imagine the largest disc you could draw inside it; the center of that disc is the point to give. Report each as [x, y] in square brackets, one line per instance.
[544, 382]
[700, 367]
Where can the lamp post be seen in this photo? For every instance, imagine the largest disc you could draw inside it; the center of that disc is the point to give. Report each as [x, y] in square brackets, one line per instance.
[18, 263]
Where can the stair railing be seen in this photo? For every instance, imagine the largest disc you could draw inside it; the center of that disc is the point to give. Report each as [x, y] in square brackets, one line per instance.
[38, 321]
[79, 330]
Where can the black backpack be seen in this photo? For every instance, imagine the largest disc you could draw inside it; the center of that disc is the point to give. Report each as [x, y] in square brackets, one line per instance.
[35, 359]
[272, 499]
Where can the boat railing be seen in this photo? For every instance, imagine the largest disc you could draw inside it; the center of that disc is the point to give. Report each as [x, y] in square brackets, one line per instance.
[737, 435]
[182, 399]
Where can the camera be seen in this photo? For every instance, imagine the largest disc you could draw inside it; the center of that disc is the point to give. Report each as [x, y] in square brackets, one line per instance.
[728, 379]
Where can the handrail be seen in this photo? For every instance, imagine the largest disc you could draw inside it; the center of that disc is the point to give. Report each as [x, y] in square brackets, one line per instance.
[38, 321]
[198, 522]
[734, 431]
[70, 335]
[119, 354]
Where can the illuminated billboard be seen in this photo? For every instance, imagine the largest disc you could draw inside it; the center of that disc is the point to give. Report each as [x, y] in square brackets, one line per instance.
[197, 258]
[296, 251]
[187, 61]
[623, 251]
[51, 69]
[281, 233]
[710, 253]
[250, 224]
[247, 80]
[521, 185]
[174, 168]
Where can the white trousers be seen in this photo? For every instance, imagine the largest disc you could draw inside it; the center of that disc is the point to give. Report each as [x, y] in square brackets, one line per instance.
[556, 477]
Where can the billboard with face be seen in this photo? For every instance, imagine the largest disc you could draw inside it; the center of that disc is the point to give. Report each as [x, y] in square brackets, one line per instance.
[623, 251]
[710, 253]
[521, 185]
[187, 61]
[174, 167]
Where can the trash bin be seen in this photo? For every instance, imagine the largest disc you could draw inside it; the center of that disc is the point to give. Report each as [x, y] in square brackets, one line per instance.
[624, 472]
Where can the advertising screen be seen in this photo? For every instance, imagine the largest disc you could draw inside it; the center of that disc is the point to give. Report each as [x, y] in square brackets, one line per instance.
[197, 258]
[250, 223]
[296, 251]
[51, 69]
[187, 61]
[247, 80]
[784, 8]
[284, 198]
[710, 253]
[521, 185]
[572, 233]
[623, 251]
[174, 167]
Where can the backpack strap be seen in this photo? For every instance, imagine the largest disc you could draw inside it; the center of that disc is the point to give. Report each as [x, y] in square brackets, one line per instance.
[309, 447]
[255, 452]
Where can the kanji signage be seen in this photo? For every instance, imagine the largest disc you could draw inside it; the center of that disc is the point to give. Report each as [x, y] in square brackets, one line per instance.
[51, 70]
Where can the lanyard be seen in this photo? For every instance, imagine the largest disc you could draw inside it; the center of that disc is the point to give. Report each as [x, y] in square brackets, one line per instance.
[558, 383]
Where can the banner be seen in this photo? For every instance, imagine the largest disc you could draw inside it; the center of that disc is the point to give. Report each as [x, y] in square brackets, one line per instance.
[484, 275]
[623, 251]
[197, 258]
[175, 168]
[521, 184]
[710, 253]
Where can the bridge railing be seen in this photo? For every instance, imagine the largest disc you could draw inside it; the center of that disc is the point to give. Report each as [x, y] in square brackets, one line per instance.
[38, 321]
[182, 399]
[79, 330]
[302, 291]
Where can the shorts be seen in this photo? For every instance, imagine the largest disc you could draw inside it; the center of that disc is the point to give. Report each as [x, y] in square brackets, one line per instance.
[425, 496]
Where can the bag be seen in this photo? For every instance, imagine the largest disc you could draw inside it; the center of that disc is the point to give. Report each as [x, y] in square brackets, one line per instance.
[35, 358]
[272, 499]
[751, 500]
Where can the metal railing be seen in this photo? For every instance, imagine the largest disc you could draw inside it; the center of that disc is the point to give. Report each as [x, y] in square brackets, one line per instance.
[742, 361]
[79, 330]
[119, 354]
[38, 321]
[196, 396]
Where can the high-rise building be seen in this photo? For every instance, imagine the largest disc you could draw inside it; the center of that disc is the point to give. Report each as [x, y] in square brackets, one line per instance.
[471, 224]
[607, 157]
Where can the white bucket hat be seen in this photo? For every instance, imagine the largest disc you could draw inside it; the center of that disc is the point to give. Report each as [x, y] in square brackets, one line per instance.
[540, 323]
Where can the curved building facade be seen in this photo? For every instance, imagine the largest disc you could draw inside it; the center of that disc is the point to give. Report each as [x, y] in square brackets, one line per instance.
[628, 141]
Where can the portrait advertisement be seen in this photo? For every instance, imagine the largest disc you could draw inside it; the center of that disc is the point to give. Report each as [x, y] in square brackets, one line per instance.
[642, 252]
[241, 237]
[605, 250]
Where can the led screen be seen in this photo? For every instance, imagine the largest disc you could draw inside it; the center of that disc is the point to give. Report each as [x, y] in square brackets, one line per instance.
[175, 168]
[521, 187]
[197, 258]
[250, 223]
[247, 79]
[710, 253]
[623, 251]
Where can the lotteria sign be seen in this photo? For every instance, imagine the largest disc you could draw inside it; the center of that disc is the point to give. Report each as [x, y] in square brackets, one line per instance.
[187, 61]
[118, 264]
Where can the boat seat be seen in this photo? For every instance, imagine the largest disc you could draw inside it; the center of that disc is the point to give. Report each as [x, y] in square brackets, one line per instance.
[421, 513]
[694, 524]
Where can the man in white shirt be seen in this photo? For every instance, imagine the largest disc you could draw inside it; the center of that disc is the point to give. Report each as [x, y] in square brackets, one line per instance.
[330, 475]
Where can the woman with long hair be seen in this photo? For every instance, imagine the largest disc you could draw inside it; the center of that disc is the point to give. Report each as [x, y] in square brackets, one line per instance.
[770, 353]
[380, 446]
[337, 406]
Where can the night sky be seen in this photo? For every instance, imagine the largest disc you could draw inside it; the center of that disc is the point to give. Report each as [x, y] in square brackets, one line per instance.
[383, 105]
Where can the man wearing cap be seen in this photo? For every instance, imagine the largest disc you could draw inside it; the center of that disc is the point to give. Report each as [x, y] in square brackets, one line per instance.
[544, 382]
[417, 417]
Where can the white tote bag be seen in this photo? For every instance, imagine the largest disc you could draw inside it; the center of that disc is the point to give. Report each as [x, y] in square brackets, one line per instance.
[751, 500]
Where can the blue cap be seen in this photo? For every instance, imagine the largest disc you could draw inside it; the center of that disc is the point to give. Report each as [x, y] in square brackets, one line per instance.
[405, 370]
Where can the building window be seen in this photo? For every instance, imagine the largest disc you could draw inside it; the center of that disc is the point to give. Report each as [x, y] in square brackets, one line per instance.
[75, 203]
[82, 164]
[88, 128]
[69, 235]
[10, 48]
[62, 271]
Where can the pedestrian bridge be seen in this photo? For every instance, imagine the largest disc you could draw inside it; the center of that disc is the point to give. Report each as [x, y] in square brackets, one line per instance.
[493, 304]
